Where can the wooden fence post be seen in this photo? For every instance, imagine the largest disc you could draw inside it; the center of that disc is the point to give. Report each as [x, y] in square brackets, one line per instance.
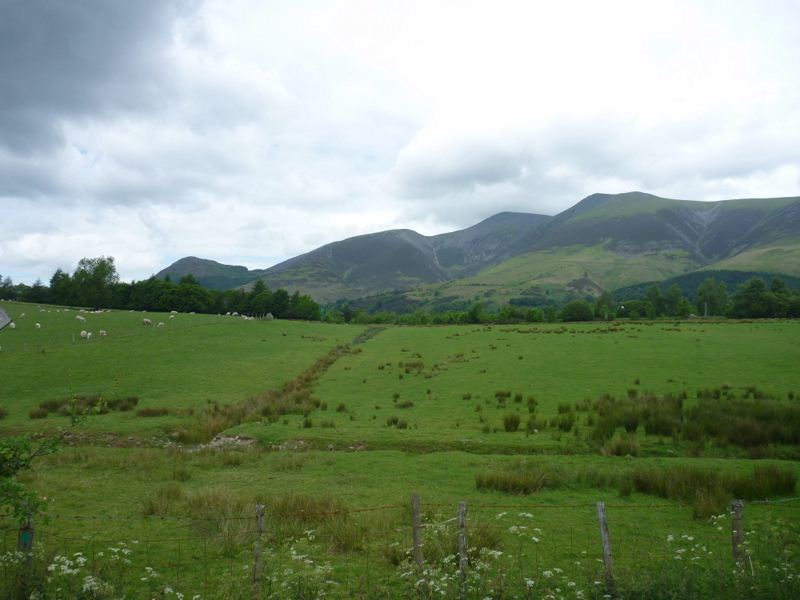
[737, 532]
[416, 532]
[258, 566]
[462, 544]
[606, 539]
[25, 545]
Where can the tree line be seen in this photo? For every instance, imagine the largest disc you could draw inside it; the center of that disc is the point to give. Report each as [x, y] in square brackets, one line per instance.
[752, 299]
[95, 284]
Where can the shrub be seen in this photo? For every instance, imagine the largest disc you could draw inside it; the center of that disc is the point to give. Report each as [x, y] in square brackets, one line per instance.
[622, 446]
[511, 422]
[532, 403]
[518, 478]
[162, 500]
[341, 407]
[307, 423]
[405, 404]
[502, 394]
[38, 413]
[152, 411]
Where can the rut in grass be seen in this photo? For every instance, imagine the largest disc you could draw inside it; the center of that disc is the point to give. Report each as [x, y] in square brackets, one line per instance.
[294, 397]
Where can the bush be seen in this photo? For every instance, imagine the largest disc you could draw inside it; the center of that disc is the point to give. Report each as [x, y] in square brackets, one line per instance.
[520, 477]
[38, 413]
[405, 404]
[511, 422]
[152, 411]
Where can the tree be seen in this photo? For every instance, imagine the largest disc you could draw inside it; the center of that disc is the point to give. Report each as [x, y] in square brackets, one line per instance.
[577, 310]
[93, 279]
[604, 307]
[653, 295]
[753, 300]
[712, 298]
[61, 288]
[477, 313]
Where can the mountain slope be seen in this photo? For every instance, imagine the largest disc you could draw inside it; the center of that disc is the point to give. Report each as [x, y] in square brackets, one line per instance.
[605, 241]
[399, 259]
[209, 273]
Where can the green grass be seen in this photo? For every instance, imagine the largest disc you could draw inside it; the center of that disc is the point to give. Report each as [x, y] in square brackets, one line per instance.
[193, 510]
[559, 364]
[192, 361]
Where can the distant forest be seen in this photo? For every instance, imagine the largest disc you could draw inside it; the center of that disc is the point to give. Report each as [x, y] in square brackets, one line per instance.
[95, 284]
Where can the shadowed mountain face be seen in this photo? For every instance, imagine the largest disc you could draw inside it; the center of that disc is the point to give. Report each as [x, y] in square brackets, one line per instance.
[636, 222]
[604, 241]
[399, 259]
[210, 273]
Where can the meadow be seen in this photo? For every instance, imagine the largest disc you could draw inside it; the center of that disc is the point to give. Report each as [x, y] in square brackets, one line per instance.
[332, 427]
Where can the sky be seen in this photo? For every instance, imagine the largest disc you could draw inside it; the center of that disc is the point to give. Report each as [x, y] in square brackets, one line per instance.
[250, 131]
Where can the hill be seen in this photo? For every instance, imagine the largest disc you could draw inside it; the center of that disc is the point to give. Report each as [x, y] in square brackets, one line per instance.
[210, 273]
[604, 242]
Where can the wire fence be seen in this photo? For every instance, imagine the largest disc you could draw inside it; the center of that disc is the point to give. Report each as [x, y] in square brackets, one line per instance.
[396, 550]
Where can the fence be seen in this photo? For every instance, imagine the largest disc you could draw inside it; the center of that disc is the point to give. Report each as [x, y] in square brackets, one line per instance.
[459, 550]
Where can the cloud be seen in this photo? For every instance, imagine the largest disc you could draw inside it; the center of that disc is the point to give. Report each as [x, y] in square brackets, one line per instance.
[251, 132]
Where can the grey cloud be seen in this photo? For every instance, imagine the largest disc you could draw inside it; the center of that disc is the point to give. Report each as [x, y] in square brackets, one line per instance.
[69, 60]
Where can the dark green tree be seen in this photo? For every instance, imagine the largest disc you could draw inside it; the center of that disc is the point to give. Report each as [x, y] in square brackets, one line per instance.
[577, 310]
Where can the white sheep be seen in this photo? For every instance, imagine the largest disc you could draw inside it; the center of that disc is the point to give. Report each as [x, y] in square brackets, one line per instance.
[89, 335]
[172, 316]
[38, 325]
[146, 322]
[160, 324]
[234, 314]
[12, 325]
[22, 315]
[102, 333]
[80, 318]
[173, 312]
[84, 334]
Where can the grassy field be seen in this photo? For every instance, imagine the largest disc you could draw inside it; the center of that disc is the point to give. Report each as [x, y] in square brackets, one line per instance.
[335, 467]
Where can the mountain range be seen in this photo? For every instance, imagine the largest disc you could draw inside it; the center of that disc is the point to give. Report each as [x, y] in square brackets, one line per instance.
[604, 242]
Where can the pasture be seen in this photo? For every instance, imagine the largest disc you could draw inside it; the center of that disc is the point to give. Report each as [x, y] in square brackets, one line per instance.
[342, 423]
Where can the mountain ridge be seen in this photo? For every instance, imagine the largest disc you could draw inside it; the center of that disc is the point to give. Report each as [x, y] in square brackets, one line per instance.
[602, 242]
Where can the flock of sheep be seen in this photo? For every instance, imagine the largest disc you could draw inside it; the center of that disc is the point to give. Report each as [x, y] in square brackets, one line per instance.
[87, 335]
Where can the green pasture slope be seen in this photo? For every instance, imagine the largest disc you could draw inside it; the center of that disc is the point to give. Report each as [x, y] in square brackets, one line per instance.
[191, 361]
[191, 509]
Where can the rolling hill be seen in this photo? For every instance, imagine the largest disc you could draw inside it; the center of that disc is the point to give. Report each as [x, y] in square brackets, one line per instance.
[604, 242]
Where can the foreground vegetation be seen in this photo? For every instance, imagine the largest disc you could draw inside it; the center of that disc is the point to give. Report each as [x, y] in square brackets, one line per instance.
[170, 437]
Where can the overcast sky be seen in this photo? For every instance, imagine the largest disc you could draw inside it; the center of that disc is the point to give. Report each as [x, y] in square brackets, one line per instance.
[249, 131]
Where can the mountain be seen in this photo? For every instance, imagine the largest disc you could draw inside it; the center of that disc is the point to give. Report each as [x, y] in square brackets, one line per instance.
[609, 241]
[210, 273]
[604, 242]
[399, 259]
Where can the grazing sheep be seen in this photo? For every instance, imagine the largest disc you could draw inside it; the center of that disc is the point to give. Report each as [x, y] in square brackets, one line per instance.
[234, 314]
[146, 322]
[12, 325]
[89, 335]
[38, 325]
[102, 333]
[84, 334]
[228, 314]
[160, 324]
[172, 316]
[269, 316]
[22, 315]
[80, 318]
